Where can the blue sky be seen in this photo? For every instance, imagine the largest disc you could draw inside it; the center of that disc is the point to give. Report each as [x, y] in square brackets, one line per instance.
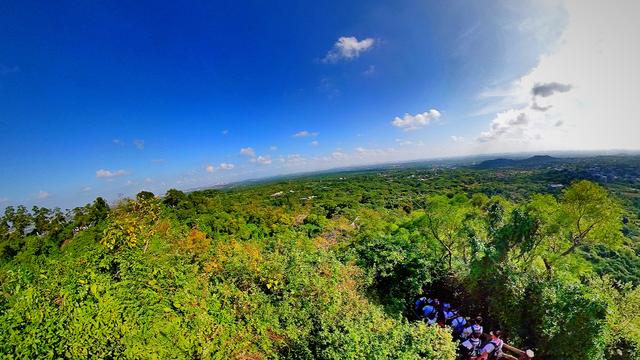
[109, 98]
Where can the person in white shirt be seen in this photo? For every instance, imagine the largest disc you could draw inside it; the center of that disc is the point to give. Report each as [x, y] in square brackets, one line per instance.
[470, 348]
[493, 349]
[475, 325]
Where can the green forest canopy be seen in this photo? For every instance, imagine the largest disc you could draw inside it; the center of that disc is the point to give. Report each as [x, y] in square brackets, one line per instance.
[326, 267]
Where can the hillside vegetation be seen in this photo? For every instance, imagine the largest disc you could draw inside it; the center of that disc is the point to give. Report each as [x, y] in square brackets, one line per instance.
[326, 267]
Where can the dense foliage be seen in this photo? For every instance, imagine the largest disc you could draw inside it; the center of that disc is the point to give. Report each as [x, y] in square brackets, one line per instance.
[327, 267]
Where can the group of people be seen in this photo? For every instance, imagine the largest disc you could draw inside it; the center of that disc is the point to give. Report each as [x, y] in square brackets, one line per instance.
[468, 332]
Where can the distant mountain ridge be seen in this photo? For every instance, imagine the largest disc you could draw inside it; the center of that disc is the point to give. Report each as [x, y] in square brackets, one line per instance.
[534, 161]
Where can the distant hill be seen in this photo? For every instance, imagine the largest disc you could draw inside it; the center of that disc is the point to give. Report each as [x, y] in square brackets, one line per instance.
[534, 161]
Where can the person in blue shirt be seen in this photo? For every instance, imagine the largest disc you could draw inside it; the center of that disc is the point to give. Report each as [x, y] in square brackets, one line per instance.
[458, 325]
[430, 314]
[421, 303]
[449, 314]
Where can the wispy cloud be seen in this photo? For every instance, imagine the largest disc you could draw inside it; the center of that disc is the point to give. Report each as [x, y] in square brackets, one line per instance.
[347, 48]
[86, 189]
[328, 87]
[42, 195]
[210, 168]
[314, 143]
[292, 159]
[369, 71]
[226, 166]
[305, 133]
[103, 173]
[139, 144]
[506, 123]
[262, 160]
[248, 151]
[405, 142]
[338, 155]
[414, 122]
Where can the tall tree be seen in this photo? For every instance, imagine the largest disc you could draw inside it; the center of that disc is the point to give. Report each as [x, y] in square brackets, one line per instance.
[40, 219]
[444, 221]
[99, 210]
[173, 197]
[589, 216]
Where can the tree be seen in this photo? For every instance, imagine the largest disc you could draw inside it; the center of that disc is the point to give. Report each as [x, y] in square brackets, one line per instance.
[21, 220]
[589, 216]
[40, 220]
[444, 221]
[57, 221]
[174, 197]
[521, 231]
[4, 227]
[145, 195]
[99, 210]
[131, 221]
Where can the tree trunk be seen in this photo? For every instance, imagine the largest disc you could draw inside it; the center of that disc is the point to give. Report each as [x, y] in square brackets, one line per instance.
[570, 249]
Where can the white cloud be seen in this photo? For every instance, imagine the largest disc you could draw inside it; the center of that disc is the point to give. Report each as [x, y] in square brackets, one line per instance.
[248, 151]
[583, 94]
[314, 143]
[86, 189]
[225, 132]
[457, 139]
[414, 122]
[263, 160]
[139, 144]
[3, 200]
[102, 173]
[42, 195]
[347, 48]
[405, 142]
[338, 155]
[508, 124]
[118, 142]
[273, 148]
[210, 168]
[305, 133]
[292, 159]
[362, 152]
[226, 166]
